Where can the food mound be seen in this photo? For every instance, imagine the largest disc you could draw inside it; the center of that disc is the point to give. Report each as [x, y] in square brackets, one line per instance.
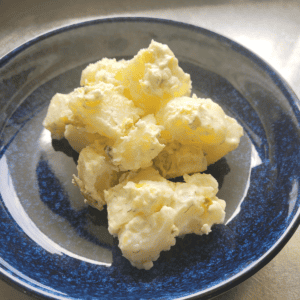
[135, 125]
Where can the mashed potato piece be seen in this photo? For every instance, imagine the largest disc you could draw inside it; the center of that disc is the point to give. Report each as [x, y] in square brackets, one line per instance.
[135, 125]
[177, 159]
[199, 123]
[151, 78]
[95, 174]
[232, 139]
[139, 147]
[197, 206]
[147, 212]
[194, 121]
[79, 138]
[104, 70]
[58, 116]
[103, 109]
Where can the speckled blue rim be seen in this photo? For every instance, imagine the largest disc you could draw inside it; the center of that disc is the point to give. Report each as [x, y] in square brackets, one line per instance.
[281, 84]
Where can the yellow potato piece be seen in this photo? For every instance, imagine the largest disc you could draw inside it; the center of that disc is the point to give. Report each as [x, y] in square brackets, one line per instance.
[177, 159]
[197, 206]
[104, 110]
[95, 174]
[193, 121]
[58, 116]
[104, 70]
[79, 138]
[150, 79]
[153, 77]
[147, 212]
[139, 147]
[233, 135]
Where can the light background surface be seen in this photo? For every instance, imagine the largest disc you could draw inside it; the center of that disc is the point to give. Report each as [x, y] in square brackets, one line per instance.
[271, 29]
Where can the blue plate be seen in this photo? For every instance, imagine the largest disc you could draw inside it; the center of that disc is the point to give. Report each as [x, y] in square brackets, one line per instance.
[53, 246]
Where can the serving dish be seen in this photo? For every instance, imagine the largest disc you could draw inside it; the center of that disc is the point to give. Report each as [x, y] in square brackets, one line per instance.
[55, 247]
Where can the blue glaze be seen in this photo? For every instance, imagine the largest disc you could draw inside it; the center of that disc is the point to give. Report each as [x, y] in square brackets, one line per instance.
[37, 256]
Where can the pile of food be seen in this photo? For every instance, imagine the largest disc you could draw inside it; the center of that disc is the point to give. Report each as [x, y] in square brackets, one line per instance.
[135, 125]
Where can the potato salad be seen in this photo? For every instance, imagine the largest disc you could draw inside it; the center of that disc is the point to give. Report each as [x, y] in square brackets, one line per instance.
[135, 125]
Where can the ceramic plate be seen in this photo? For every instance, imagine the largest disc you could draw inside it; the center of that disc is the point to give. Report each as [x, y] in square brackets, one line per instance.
[53, 246]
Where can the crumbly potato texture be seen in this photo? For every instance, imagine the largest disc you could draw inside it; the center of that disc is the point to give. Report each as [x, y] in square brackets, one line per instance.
[135, 125]
[147, 212]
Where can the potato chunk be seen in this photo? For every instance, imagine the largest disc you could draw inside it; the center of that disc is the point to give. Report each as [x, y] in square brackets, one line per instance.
[139, 147]
[153, 77]
[79, 138]
[233, 135]
[177, 159]
[194, 121]
[199, 123]
[147, 212]
[58, 116]
[95, 174]
[103, 109]
[104, 70]
[197, 206]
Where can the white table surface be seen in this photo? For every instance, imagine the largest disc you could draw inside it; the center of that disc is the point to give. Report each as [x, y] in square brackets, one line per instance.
[271, 29]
